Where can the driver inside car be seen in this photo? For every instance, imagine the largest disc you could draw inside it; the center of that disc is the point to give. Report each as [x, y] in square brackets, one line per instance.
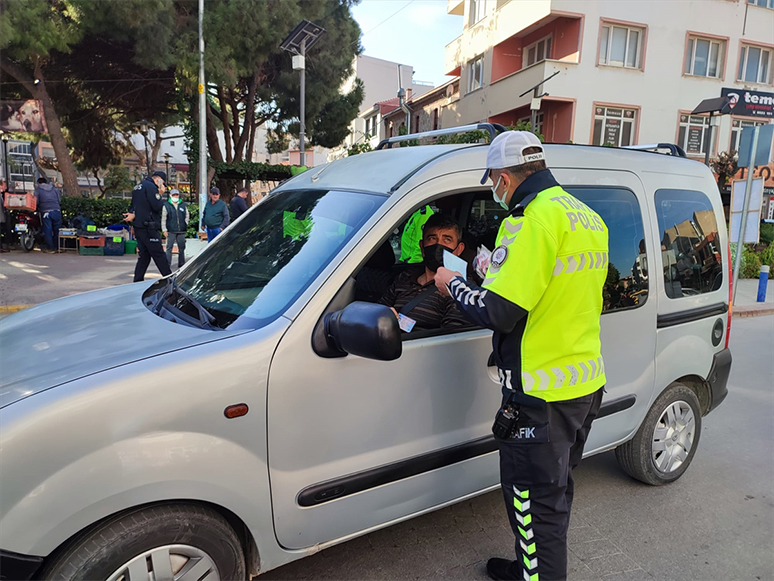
[413, 296]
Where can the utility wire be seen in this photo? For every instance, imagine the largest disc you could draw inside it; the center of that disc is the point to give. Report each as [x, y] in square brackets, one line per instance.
[386, 19]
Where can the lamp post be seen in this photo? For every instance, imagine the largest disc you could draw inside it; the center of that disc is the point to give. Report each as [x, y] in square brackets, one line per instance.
[142, 127]
[166, 163]
[297, 43]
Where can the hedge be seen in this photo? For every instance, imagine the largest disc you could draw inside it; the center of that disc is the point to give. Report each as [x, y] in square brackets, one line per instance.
[103, 212]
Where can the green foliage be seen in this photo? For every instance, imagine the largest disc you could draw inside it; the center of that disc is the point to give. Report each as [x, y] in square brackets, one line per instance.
[411, 142]
[193, 222]
[359, 148]
[117, 180]
[33, 29]
[331, 125]
[751, 263]
[477, 136]
[252, 171]
[767, 234]
[767, 257]
[103, 212]
[277, 140]
[525, 126]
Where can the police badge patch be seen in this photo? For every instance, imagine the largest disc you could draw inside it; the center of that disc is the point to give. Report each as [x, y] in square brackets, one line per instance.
[158, 196]
[499, 255]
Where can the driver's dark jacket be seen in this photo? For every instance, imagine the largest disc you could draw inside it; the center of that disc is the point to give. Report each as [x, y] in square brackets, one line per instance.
[146, 205]
[435, 311]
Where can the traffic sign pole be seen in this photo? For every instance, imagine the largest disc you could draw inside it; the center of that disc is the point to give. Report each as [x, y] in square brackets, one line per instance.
[745, 210]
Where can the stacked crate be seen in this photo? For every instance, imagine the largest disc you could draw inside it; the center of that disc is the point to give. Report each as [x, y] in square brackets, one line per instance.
[91, 245]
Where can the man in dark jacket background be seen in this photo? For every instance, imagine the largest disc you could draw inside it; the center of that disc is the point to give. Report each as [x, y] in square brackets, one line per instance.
[50, 212]
[145, 213]
[238, 203]
[215, 217]
[174, 224]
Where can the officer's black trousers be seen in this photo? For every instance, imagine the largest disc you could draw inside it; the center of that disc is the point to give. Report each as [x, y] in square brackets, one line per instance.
[149, 246]
[536, 473]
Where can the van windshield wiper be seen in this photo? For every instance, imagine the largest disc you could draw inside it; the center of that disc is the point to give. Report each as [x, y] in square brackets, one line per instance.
[165, 291]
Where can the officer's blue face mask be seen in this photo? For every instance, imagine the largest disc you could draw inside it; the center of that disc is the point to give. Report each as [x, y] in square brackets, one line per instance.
[497, 198]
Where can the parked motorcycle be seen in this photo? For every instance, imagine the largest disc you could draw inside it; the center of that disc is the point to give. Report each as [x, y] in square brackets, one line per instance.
[29, 229]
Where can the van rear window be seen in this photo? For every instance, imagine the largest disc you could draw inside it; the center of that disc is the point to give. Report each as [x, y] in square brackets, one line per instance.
[690, 247]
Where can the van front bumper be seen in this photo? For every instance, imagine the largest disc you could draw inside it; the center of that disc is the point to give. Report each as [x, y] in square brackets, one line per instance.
[14, 566]
[718, 377]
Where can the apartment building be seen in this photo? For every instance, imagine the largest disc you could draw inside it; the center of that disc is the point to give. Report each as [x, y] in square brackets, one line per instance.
[381, 83]
[628, 72]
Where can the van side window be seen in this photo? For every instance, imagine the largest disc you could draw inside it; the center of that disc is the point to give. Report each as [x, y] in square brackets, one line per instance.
[627, 275]
[690, 247]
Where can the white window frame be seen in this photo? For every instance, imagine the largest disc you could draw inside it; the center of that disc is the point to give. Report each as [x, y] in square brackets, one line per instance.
[478, 10]
[736, 132]
[689, 65]
[547, 46]
[538, 122]
[474, 83]
[604, 55]
[691, 121]
[604, 117]
[764, 76]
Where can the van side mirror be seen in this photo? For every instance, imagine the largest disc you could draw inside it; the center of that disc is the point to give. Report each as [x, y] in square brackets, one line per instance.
[366, 330]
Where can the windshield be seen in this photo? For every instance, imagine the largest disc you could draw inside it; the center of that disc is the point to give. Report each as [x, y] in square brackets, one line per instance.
[254, 270]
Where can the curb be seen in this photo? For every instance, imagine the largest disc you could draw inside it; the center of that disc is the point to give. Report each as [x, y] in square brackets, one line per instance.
[8, 309]
[757, 310]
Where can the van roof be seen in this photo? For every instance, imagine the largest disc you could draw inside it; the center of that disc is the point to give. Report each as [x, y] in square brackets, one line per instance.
[384, 171]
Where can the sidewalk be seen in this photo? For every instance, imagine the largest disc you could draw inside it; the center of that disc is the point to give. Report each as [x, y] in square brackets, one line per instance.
[746, 294]
[29, 278]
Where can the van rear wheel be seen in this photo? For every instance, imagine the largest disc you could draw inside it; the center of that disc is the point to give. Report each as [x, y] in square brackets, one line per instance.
[176, 542]
[663, 447]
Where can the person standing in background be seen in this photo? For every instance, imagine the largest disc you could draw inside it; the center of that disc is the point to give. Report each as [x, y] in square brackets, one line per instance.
[174, 224]
[238, 203]
[215, 217]
[50, 212]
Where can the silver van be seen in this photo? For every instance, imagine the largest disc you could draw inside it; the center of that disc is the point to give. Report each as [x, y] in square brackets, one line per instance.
[259, 405]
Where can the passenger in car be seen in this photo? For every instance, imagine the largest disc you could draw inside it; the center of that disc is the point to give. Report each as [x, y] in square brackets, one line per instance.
[413, 293]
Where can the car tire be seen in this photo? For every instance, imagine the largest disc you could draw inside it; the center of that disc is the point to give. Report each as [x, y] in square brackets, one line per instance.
[175, 541]
[663, 447]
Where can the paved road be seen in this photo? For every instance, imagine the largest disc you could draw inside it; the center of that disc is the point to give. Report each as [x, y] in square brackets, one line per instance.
[715, 523]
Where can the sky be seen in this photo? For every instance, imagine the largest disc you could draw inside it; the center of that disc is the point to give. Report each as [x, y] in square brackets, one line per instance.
[410, 32]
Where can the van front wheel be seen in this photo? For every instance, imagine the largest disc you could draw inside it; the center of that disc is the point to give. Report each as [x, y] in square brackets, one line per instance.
[666, 442]
[179, 542]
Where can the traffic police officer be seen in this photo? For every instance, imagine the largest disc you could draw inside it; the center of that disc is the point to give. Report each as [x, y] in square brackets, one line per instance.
[542, 297]
[145, 213]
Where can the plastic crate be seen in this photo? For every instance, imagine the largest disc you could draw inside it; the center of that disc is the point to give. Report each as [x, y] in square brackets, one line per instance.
[91, 250]
[92, 241]
[130, 247]
[23, 202]
[114, 246]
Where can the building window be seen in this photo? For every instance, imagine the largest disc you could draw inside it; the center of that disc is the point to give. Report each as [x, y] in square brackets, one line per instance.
[621, 46]
[614, 126]
[736, 131]
[476, 74]
[370, 126]
[693, 133]
[538, 128]
[704, 57]
[416, 123]
[754, 64]
[435, 119]
[763, 3]
[477, 10]
[172, 144]
[537, 51]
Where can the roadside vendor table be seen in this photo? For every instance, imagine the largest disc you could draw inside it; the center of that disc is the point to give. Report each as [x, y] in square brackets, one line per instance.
[63, 238]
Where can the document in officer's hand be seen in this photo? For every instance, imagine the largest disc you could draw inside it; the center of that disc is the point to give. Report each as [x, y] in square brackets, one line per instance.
[455, 263]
